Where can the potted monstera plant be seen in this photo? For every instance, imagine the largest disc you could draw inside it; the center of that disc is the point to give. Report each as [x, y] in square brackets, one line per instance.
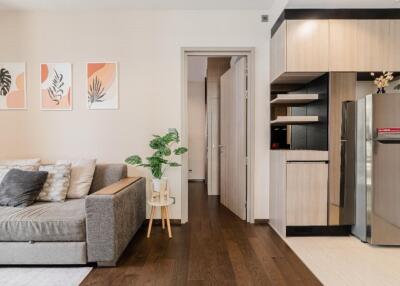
[163, 146]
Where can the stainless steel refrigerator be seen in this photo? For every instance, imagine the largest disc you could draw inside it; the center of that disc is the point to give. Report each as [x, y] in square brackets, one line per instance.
[378, 169]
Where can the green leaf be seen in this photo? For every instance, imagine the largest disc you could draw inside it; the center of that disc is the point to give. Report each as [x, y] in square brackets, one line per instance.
[133, 160]
[171, 136]
[174, 164]
[180, 150]
[157, 143]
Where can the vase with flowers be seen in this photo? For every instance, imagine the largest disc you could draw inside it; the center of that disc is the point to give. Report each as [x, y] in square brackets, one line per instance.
[383, 81]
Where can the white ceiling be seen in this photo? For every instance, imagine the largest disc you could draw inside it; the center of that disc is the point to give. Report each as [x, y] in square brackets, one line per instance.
[326, 4]
[133, 4]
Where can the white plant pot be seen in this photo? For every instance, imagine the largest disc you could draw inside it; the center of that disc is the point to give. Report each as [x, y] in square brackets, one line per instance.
[156, 184]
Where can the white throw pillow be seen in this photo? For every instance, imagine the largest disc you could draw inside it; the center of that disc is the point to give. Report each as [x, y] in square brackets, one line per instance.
[82, 172]
[56, 186]
[4, 169]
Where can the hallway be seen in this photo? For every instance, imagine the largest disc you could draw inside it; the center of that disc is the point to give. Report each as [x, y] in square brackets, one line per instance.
[214, 248]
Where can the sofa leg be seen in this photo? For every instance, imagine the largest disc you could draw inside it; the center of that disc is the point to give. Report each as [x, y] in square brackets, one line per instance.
[106, 263]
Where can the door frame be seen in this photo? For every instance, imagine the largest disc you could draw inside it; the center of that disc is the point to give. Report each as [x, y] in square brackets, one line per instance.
[249, 52]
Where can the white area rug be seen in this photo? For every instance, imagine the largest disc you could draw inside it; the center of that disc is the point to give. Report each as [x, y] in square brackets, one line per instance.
[342, 261]
[43, 276]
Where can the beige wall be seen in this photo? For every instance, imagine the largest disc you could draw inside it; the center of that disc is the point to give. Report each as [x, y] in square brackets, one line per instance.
[147, 45]
[197, 130]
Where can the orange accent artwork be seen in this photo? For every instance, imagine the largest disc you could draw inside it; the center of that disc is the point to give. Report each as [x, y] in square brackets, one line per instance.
[12, 86]
[44, 72]
[102, 86]
[56, 86]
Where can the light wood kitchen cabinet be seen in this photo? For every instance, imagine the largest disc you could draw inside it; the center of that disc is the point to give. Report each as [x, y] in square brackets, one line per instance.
[307, 45]
[372, 45]
[393, 49]
[364, 45]
[306, 194]
[343, 45]
[298, 189]
[299, 47]
[278, 52]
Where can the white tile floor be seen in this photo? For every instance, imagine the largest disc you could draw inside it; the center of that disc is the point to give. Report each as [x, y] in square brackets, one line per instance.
[339, 261]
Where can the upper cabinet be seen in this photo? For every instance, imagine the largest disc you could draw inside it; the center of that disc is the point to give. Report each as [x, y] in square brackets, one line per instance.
[307, 45]
[278, 52]
[300, 46]
[312, 46]
[343, 45]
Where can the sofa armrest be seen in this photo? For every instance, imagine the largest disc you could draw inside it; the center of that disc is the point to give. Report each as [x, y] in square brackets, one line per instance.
[113, 215]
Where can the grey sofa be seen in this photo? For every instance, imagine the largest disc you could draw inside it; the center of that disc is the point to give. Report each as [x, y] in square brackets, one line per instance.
[78, 231]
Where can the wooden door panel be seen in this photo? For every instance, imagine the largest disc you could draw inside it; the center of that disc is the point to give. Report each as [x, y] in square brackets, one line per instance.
[306, 194]
[233, 138]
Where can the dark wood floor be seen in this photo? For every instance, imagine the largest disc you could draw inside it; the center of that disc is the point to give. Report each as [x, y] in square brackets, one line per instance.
[214, 248]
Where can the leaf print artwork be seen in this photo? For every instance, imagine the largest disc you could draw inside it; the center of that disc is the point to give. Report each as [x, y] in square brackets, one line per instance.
[5, 82]
[96, 91]
[56, 86]
[56, 90]
[102, 85]
[12, 86]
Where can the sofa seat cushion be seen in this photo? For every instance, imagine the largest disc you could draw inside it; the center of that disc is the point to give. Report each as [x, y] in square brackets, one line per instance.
[44, 221]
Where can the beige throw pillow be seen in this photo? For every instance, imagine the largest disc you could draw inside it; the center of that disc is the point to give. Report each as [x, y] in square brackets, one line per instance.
[82, 172]
[56, 186]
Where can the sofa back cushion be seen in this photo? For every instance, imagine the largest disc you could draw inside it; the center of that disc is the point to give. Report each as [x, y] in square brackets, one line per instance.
[20, 162]
[4, 169]
[56, 186]
[107, 174]
[20, 188]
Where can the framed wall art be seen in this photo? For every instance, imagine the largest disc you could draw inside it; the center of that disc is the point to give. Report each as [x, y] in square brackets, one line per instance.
[102, 85]
[56, 86]
[12, 86]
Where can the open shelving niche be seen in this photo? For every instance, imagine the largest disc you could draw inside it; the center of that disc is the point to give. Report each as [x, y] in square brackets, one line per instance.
[294, 100]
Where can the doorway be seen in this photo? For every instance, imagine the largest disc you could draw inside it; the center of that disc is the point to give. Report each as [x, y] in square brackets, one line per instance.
[218, 126]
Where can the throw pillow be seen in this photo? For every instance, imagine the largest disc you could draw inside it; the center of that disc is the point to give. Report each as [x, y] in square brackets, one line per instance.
[20, 188]
[82, 172]
[56, 186]
[4, 169]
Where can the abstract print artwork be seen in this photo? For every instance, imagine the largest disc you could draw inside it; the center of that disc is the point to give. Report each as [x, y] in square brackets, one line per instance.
[102, 86]
[56, 86]
[12, 86]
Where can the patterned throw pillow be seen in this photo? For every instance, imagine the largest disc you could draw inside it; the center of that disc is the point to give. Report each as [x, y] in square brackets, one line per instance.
[4, 169]
[56, 187]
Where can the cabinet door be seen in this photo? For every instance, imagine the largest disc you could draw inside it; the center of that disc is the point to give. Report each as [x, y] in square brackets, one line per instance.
[307, 45]
[343, 45]
[372, 45]
[278, 52]
[393, 38]
[307, 194]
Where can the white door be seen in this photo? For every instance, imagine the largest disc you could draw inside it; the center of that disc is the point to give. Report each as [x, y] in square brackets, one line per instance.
[212, 143]
[233, 169]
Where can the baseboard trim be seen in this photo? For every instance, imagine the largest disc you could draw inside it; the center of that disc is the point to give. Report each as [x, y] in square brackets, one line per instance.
[158, 221]
[261, 221]
[339, 230]
[197, 180]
